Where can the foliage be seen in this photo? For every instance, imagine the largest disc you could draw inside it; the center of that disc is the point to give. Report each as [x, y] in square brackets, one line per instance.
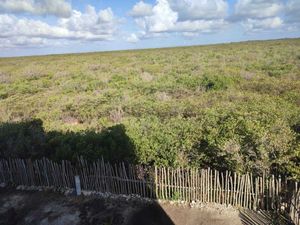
[22, 140]
[29, 140]
[216, 82]
[232, 106]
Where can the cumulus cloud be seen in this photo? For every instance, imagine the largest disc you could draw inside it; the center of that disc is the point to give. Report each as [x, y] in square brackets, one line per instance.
[90, 25]
[141, 9]
[184, 17]
[22, 42]
[203, 26]
[163, 18]
[199, 9]
[257, 8]
[189, 18]
[263, 24]
[259, 15]
[132, 38]
[59, 8]
[11, 26]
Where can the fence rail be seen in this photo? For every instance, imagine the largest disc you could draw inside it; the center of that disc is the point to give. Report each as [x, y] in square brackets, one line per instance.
[186, 184]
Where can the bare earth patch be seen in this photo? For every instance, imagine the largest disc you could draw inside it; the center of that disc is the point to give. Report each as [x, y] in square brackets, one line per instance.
[47, 208]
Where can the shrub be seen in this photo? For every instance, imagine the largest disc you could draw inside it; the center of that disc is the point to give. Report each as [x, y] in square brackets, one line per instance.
[165, 143]
[246, 140]
[216, 82]
[116, 115]
[276, 69]
[24, 140]
[29, 140]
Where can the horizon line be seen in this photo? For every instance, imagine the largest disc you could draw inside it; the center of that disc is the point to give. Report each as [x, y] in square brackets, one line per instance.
[150, 48]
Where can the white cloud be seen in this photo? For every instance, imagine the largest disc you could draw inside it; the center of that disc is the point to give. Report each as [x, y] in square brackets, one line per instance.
[163, 18]
[257, 8]
[106, 15]
[133, 38]
[101, 25]
[199, 9]
[166, 19]
[203, 26]
[141, 9]
[190, 34]
[11, 26]
[263, 24]
[188, 18]
[89, 25]
[59, 8]
[22, 42]
[259, 15]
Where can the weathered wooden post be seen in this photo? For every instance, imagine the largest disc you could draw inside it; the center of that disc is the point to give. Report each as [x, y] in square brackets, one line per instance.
[156, 184]
[77, 185]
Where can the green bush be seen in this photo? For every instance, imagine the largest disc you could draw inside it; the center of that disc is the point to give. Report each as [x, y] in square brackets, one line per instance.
[247, 141]
[29, 140]
[216, 82]
[164, 143]
[24, 140]
[276, 69]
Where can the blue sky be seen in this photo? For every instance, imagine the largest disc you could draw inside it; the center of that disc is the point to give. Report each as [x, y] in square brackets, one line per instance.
[33, 27]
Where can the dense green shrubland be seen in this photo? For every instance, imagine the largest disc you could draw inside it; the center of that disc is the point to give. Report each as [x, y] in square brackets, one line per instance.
[233, 106]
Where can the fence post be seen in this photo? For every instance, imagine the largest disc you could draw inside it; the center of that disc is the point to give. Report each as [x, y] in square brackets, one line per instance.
[77, 185]
[156, 183]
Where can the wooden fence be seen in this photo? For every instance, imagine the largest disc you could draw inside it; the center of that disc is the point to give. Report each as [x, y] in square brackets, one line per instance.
[185, 184]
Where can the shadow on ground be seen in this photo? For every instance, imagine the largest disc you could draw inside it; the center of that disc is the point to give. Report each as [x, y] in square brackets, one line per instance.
[46, 208]
[28, 139]
[150, 215]
[35, 208]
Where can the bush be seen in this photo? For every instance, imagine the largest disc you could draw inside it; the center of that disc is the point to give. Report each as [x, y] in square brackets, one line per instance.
[164, 143]
[246, 140]
[29, 140]
[216, 82]
[24, 140]
[276, 69]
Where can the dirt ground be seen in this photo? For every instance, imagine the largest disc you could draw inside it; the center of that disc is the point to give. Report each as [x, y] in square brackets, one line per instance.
[46, 208]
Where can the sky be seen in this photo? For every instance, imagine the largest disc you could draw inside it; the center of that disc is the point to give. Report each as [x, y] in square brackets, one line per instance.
[35, 27]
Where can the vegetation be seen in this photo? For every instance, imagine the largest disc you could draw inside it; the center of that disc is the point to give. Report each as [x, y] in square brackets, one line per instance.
[231, 106]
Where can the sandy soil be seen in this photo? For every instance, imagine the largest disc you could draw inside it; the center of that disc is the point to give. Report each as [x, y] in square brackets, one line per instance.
[208, 215]
[46, 208]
